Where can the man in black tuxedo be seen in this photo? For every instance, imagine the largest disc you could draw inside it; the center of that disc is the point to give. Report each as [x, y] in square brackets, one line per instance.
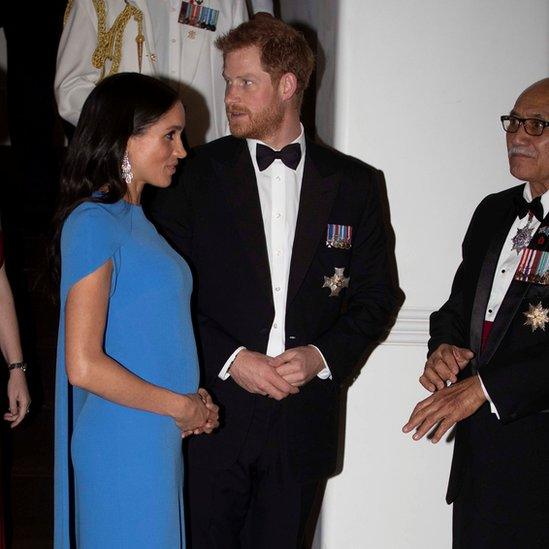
[290, 250]
[490, 340]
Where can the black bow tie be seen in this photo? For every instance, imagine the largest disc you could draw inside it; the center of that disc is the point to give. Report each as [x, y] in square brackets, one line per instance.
[290, 155]
[523, 207]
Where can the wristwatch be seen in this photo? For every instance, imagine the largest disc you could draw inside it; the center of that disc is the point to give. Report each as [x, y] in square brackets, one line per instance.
[18, 365]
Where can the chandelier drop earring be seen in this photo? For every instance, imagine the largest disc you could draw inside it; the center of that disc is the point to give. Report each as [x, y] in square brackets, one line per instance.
[127, 173]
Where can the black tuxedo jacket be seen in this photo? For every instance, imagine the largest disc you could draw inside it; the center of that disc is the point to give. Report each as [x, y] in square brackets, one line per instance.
[213, 217]
[507, 459]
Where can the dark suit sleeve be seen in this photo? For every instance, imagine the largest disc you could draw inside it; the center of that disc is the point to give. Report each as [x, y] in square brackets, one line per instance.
[450, 324]
[518, 384]
[373, 297]
[172, 212]
[216, 347]
[447, 325]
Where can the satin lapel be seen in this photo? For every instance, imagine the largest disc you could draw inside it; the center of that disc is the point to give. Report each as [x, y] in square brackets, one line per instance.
[318, 192]
[484, 285]
[507, 311]
[240, 186]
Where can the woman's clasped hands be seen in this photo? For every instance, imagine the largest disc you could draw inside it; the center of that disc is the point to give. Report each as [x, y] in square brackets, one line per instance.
[198, 414]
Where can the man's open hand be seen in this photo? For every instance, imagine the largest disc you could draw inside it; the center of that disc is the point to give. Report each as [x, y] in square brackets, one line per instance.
[444, 365]
[446, 407]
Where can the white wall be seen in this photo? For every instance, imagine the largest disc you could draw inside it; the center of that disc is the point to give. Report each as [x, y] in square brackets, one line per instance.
[418, 88]
[322, 16]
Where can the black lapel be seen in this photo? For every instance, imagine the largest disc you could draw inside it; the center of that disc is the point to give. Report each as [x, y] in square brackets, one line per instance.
[318, 190]
[238, 179]
[486, 278]
[507, 311]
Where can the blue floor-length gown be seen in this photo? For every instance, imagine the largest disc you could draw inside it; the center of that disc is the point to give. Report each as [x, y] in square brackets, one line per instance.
[118, 470]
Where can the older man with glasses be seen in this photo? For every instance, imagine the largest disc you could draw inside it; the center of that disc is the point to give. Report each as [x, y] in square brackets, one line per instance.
[488, 362]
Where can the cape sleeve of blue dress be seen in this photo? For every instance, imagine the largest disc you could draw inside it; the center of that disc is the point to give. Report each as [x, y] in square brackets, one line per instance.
[91, 236]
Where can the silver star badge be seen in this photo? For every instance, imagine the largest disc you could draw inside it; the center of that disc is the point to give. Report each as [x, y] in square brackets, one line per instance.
[336, 282]
[522, 238]
[536, 317]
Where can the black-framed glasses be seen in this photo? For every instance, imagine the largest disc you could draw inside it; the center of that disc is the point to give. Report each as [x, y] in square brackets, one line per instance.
[532, 126]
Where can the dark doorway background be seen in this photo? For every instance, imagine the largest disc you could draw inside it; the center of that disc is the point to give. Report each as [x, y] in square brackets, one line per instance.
[29, 168]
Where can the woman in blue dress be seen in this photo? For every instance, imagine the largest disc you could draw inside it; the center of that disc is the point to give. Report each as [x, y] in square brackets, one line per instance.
[127, 369]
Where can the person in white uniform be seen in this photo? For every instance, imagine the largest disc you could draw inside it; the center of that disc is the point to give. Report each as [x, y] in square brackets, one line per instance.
[169, 39]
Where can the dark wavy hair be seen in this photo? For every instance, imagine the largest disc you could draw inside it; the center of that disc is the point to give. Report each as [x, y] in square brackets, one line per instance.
[120, 106]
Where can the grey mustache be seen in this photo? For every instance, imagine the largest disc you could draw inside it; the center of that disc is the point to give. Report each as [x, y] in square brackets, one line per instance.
[519, 150]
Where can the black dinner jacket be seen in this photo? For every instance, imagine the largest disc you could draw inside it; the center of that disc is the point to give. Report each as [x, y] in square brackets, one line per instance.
[213, 217]
[506, 459]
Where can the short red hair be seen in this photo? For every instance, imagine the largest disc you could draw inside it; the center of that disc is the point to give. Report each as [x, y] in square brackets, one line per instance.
[283, 49]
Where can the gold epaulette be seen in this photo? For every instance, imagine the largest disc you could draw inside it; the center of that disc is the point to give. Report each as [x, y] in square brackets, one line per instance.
[68, 9]
[109, 42]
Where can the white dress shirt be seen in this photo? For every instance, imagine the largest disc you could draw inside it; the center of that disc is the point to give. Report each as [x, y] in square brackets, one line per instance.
[506, 267]
[279, 188]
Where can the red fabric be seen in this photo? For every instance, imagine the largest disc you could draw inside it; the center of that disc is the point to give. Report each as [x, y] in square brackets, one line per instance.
[486, 329]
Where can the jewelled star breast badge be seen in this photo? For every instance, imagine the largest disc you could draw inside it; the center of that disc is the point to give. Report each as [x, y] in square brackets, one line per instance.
[522, 238]
[336, 282]
[536, 317]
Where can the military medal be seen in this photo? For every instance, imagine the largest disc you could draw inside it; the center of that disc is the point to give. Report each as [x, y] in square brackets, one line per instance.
[336, 282]
[534, 262]
[193, 13]
[533, 267]
[536, 317]
[523, 237]
[339, 236]
[212, 19]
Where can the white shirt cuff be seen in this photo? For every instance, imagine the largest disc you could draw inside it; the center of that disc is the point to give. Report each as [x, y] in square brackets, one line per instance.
[493, 408]
[224, 373]
[325, 373]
